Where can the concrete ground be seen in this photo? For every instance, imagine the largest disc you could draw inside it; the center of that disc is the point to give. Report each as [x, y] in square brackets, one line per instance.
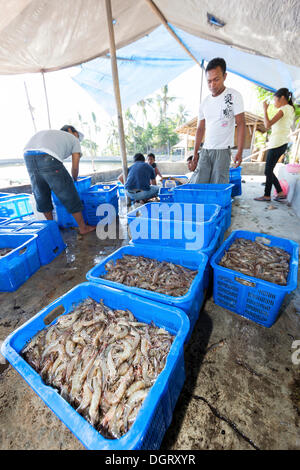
[242, 390]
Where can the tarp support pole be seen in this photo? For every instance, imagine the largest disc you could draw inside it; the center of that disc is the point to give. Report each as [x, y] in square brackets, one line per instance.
[253, 138]
[46, 96]
[29, 106]
[202, 73]
[157, 12]
[115, 75]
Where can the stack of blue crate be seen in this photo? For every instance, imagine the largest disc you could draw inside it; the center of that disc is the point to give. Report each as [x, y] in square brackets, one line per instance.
[63, 217]
[49, 240]
[101, 203]
[13, 206]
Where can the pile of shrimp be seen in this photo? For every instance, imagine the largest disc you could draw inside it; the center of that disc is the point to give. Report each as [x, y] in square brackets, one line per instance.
[102, 361]
[150, 274]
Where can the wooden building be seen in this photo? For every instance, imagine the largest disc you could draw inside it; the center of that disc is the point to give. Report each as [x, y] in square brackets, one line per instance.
[253, 123]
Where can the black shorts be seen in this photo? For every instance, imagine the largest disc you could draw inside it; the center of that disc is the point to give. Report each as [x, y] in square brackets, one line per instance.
[49, 174]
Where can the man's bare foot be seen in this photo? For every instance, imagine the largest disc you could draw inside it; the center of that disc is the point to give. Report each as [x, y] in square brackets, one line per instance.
[87, 229]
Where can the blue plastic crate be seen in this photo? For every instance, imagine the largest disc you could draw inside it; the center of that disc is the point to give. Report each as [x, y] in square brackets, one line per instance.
[63, 218]
[209, 251]
[82, 184]
[18, 265]
[156, 412]
[237, 188]
[16, 206]
[204, 193]
[4, 196]
[108, 210]
[166, 195]
[99, 193]
[190, 303]
[178, 225]
[121, 189]
[226, 215]
[260, 301]
[235, 173]
[49, 241]
[171, 183]
[236, 179]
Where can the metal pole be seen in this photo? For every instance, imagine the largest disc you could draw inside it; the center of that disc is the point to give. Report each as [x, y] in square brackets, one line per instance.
[29, 106]
[157, 12]
[202, 73]
[114, 69]
[46, 97]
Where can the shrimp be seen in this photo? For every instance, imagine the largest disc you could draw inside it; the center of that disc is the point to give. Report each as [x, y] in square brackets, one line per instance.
[94, 407]
[133, 400]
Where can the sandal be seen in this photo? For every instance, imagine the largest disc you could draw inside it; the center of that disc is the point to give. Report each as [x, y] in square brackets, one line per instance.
[262, 198]
[279, 198]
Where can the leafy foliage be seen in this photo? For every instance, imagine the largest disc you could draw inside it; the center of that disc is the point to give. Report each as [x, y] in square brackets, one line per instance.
[154, 132]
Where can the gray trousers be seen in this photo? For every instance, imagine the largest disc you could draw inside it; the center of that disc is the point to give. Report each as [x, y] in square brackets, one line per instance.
[213, 167]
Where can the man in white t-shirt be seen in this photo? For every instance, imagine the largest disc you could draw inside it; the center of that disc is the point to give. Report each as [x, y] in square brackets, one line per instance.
[218, 114]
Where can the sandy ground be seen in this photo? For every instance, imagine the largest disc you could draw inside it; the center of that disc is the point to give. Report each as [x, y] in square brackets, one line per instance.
[242, 390]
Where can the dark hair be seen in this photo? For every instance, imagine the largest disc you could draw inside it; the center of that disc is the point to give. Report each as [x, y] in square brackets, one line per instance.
[190, 158]
[216, 62]
[66, 128]
[151, 155]
[139, 157]
[286, 93]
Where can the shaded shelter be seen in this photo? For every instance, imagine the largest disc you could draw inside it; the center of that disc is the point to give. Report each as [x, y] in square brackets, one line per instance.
[253, 123]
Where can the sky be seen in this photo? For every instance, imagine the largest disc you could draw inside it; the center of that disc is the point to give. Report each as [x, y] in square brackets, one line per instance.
[66, 99]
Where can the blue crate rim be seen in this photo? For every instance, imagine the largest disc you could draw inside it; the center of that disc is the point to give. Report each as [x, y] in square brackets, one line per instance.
[293, 263]
[28, 223]
[113, 187]
[150, 294]
[161, 382]
[183, 186]
[31, 237]
[218, 208]
[175, 250]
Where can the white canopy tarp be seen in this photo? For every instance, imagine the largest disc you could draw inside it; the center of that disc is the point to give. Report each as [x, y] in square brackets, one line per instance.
[45, 35]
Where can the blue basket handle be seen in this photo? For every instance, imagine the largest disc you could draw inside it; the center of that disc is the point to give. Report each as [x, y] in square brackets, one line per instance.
[53, 314]
[243, 281]
[23, 250]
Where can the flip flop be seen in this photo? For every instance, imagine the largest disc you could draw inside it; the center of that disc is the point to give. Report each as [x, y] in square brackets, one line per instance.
[262, 198]
[279, 198]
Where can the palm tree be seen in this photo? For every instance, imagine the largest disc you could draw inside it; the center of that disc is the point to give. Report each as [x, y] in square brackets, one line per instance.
[130, 124]
[113, 137]
[143, 104]
[181, 116]
[163, 101]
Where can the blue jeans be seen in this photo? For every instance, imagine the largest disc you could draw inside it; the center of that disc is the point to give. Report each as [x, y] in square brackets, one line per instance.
[49, 174]
[137, 196]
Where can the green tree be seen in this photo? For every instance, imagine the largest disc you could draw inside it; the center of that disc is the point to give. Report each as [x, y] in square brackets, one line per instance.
[181, 116]
[144, 105]
[163, 101]
[113, 139]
